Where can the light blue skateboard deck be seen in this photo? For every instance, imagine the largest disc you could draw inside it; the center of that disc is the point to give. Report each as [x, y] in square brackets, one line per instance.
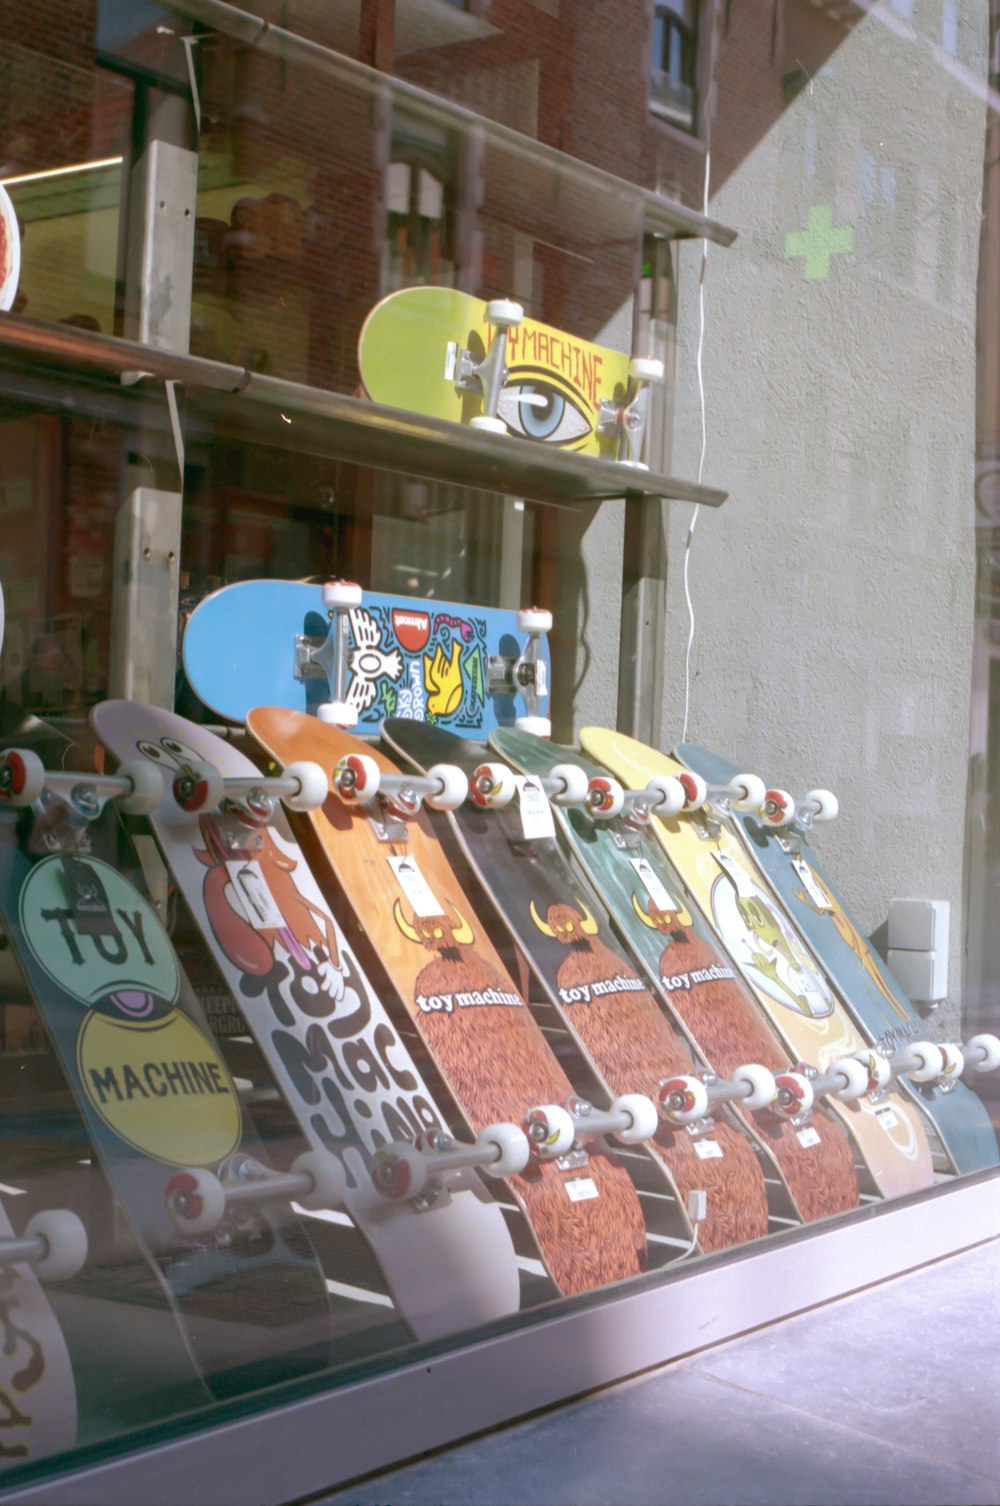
[426, 660]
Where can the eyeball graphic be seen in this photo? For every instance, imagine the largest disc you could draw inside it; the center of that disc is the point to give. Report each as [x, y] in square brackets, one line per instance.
[169, 752]
[533, 407]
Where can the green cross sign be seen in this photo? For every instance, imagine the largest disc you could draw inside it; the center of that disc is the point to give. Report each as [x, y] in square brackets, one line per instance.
[819, 242]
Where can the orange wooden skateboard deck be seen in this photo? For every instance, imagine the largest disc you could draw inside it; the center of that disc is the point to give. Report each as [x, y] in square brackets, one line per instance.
[583, 1209]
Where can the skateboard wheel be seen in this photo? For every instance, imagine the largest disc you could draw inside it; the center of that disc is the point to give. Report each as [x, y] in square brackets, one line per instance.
[492, 786]
[856, 1074]
[454, 787]
[356, 779]
[989, 1047]
[829, 805]
[747, 792]
[198, 787]
[645, 1119]
[66, 1238]
[645, 369]
[929, 1061]
[22, 776]
[954, 1061]
[400, 1170]
[534, 620]
[337, 714]
[695, 789]
[328, 1177]
[341, 593]
[313, 788]
[667, 795]
[513, 1145]
[763, 1088]
[147, 787]
[504, 312]
[878, 1068]
[196, 1200]
[605, 798]
[538, 726]
[683, 1100]
[488, 425]
[777, 808]
[795, 1095]
[551, 1130]
[575, 784]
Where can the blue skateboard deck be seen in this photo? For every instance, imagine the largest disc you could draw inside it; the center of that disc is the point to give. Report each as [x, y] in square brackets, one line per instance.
[426, 660]
[867, 987]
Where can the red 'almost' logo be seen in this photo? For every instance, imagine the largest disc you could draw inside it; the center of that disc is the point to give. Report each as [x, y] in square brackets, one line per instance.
[412, 629]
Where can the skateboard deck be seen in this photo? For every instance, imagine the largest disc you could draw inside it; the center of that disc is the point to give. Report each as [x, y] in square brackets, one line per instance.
[154, 1094]
[665, 931]
[564, 932]
[419, 658]
[585, 1218]
[884, 1013]
[767, 950]
[349, 1079]
[408, 352]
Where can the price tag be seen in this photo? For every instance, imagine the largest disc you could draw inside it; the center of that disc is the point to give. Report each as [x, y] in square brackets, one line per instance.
[256, 899]
[579, 1189]
[886, 1118]
[708, 1150]
[536, 813]
[415, 886]
[660, 896]
[810, 885]
[807, 1136]
[541, 678]
[450, 360]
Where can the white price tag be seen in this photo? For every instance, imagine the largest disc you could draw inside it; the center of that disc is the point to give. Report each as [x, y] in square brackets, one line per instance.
[579, 1189]
[541, 678]
[257, 901]
[660, 896]
[807, 1136]
[415, 886]
[450, 361]
[708, 1150]
[886, 1118]
[809, 883]
[536, 813]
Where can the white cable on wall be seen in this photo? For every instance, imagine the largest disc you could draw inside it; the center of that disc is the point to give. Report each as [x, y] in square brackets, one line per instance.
[701, 460]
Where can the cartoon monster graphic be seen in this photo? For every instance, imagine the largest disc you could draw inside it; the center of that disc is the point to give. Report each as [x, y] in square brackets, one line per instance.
[370, 666]
[453, 969]
[443, 681]
[770, 949]
[850, 934]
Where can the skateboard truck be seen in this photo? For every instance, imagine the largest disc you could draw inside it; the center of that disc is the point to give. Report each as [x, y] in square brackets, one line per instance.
[327, 659]
[943, 1063]
[418, 1170]
[79, 798]
[358, 780]
[198, 1200]
[846, 1080]
[625, 422]
[663, 796]
[486, 377]
[54, 1244]
[689, 1098]
[777, 808]
[554, 1130]
[199, 787]
[526, 674]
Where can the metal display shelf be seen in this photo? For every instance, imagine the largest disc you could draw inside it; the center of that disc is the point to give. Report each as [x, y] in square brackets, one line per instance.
[223, 400]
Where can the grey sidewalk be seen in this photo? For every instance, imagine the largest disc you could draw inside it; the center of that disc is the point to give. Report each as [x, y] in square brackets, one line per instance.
[888, 1396]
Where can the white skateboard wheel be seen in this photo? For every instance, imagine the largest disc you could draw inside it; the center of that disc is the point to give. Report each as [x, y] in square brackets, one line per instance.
[667, 794]
[856, 1075]
[196, 1200]
[337, 714]
[645, 369]
[605, 798]
[551, 1130]
[487, 425]
[513, 1146]
[454, 787]
[66, 1238]
[795, 1095]
[929, 1061]
[777, 808]
[534, 620]
[826, 800]
[400, 1170]
[328, 1176]
[492, 786]
[954, 1061]
[747, 792]
[338, 594]
[538, 726]
[313, 788]
[695, 790]
[147, 789]
[645, 1119]
[987, 1052]
[198, 787]
[504, 312]
[22, 776]
[575, 784]
[878, 1067]
[763, 1088]
[683, 1100]
[356, 779]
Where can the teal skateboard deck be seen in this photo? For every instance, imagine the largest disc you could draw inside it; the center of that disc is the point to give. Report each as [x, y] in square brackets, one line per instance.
[661, 924]
[866, 986]
[268, 643]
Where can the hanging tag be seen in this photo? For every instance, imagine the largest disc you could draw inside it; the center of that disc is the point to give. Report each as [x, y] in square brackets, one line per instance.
[541, 678]
[87, 898]
[708, 1150]
[808, 1136]
[415, 887]
[450, 361]
[661, 897]
[251, 889]
[810, 885]
[533, 803]
[579, 1189]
